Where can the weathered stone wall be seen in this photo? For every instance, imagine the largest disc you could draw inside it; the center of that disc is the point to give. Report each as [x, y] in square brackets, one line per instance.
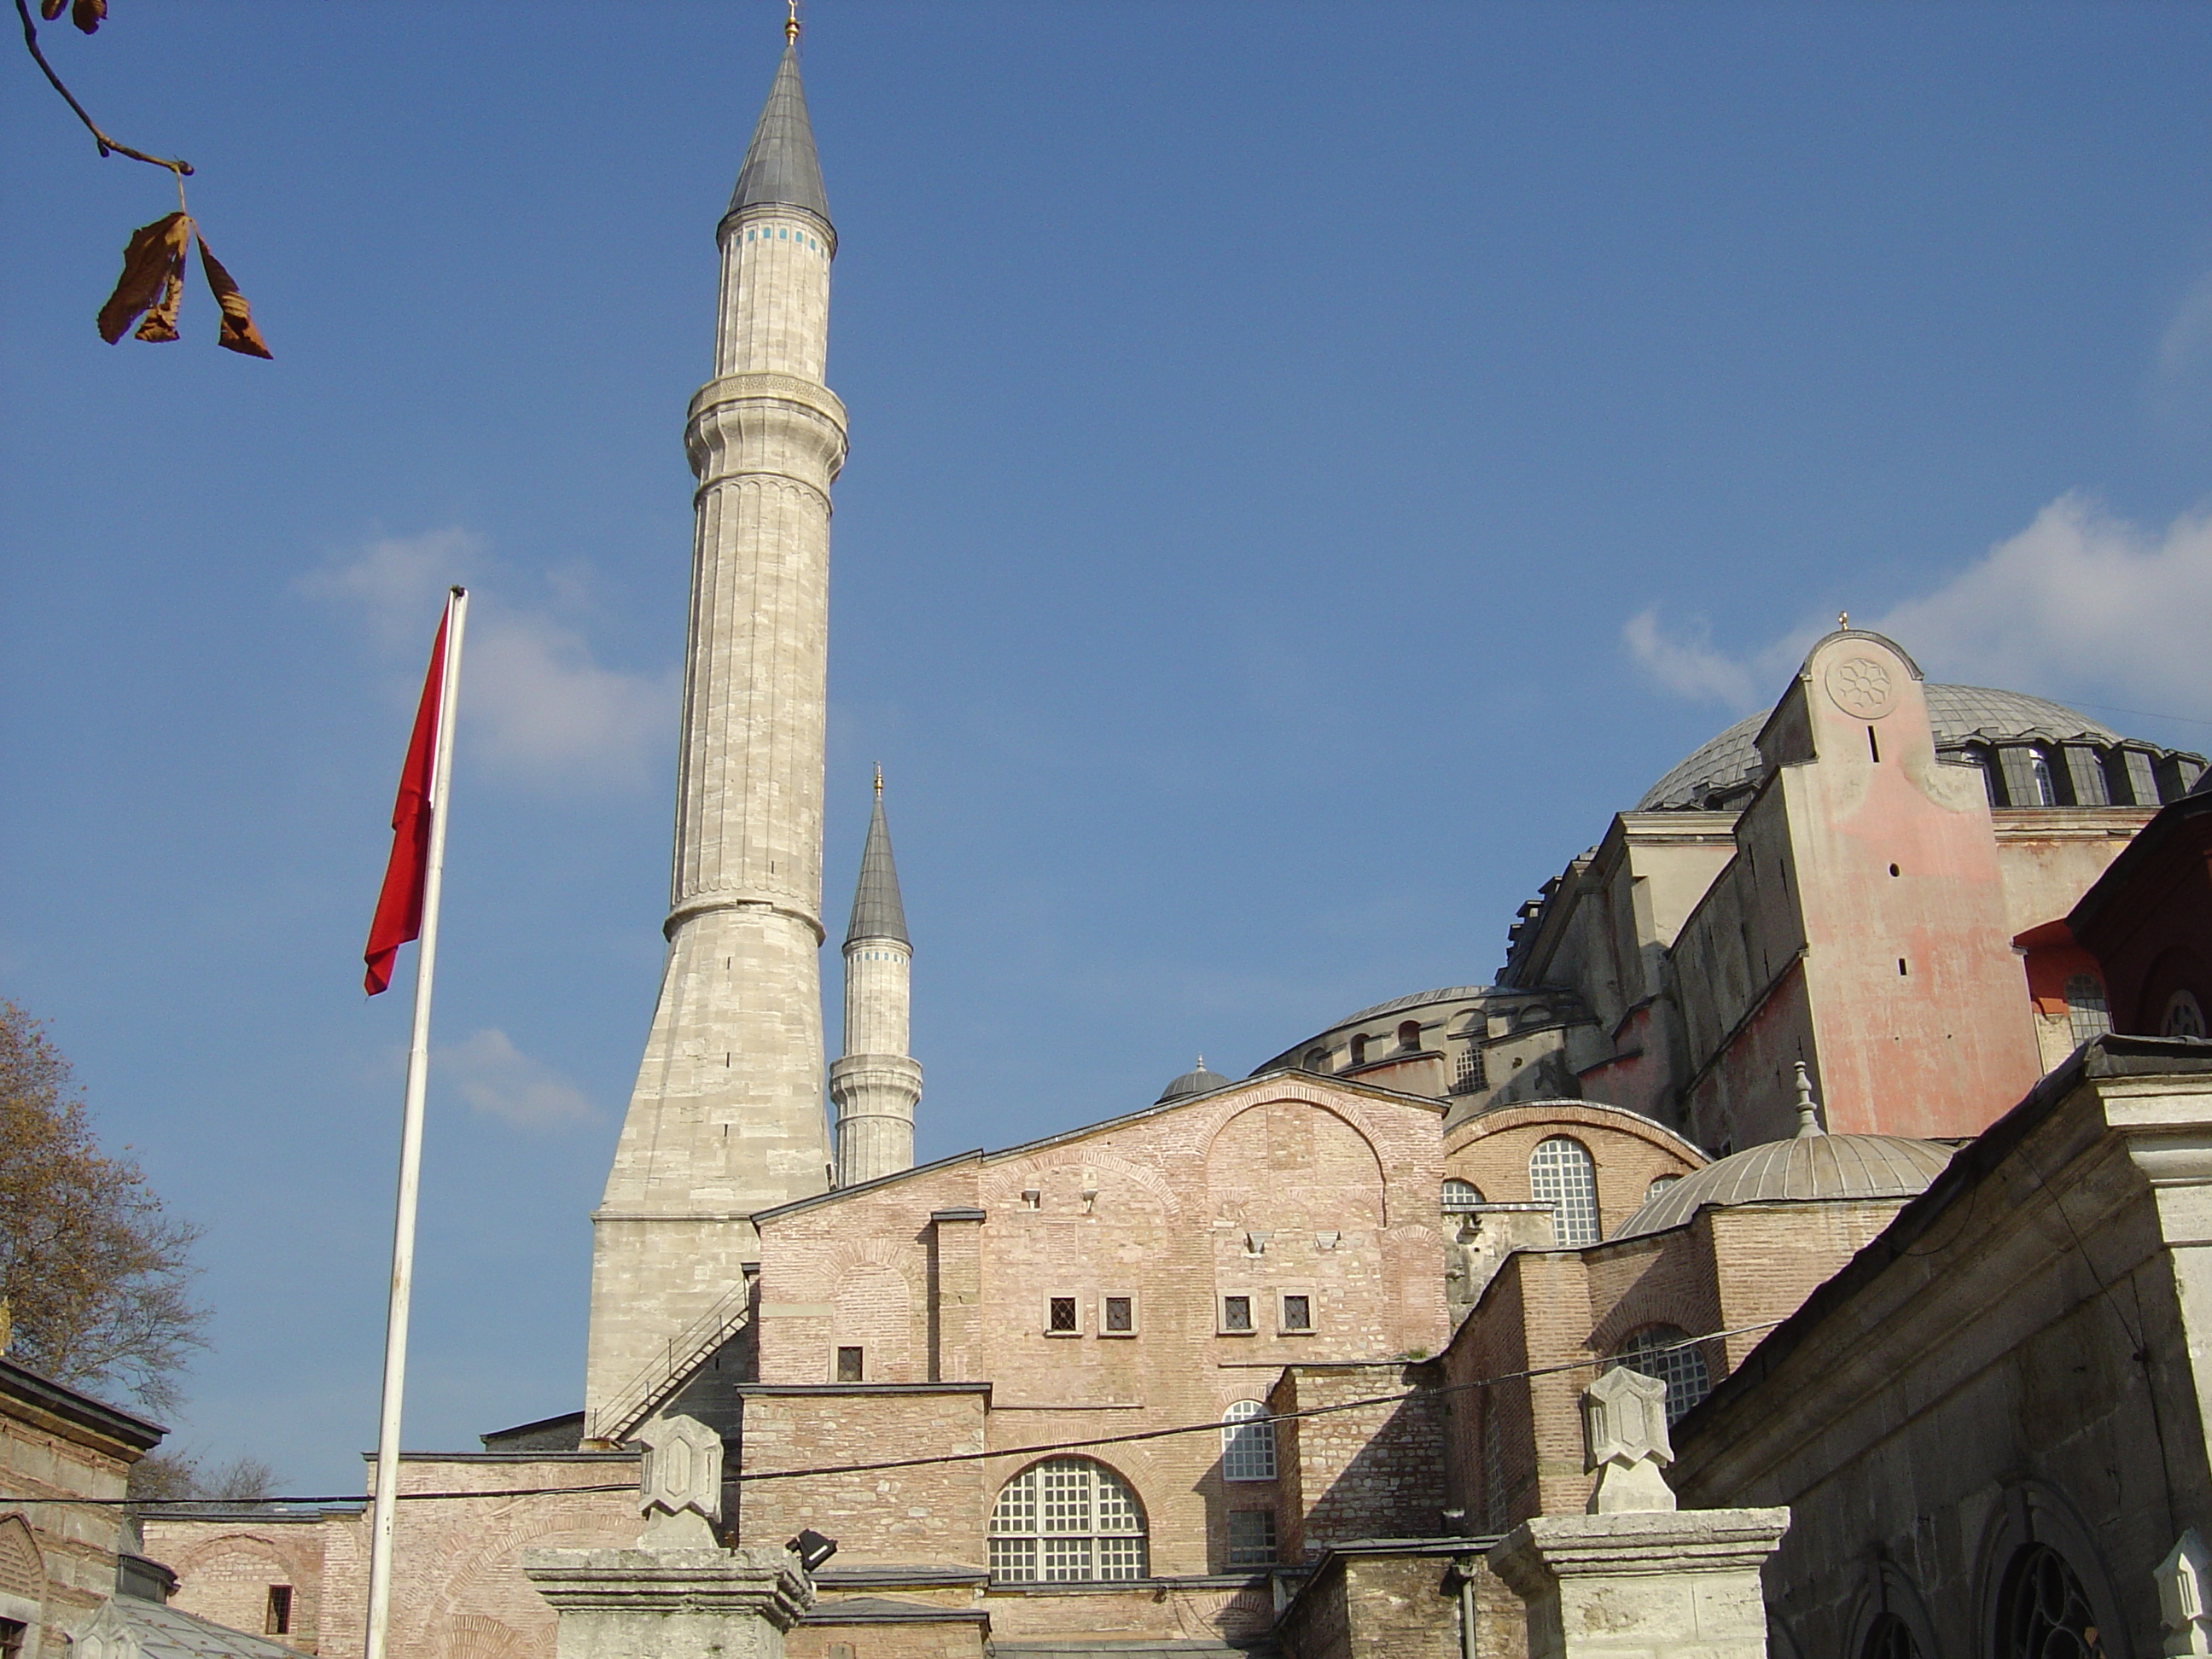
[1971, 1383]
[43, 1454]
[1366, 1471]
[935, 1513]
[226, 1565]
[458, 1588]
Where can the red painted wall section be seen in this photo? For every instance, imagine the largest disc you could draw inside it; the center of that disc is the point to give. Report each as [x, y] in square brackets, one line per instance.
[1920, 1025]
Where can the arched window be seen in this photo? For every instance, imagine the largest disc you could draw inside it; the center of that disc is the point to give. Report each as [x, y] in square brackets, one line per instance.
[2045, 1609]
[1067, 1521]
[2085, 1007]
[1317, 1059]
[1659, 1184]
[1359, 1051]
[1461, 1196]
[1248, 1442]
[1409, 1035]
[2185, 1015]
[1664, 1351]
[1561, 1175]
[2046, 786]
[1890, 1638]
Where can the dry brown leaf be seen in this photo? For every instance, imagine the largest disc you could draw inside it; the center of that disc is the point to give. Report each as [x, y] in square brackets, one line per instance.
[87, 14]
[51, 9]
[152, 265]
[239, 333]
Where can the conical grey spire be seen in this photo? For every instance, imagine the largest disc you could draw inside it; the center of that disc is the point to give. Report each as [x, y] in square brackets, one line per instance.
[876, 912]
[782, 168]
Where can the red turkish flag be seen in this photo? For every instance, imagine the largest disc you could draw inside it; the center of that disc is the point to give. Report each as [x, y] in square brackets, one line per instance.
[400, 905]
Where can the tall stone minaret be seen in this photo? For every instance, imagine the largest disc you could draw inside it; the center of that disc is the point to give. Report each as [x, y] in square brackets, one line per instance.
[726, 1118]
[875, 1083]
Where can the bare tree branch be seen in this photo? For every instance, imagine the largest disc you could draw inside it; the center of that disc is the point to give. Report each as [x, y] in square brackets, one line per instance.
[181, 168]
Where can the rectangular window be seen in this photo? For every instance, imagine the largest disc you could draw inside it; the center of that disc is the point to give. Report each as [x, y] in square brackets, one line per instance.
[849, 1368]
[12, 1631]
[1117, 1315]
[1298, 1313]
[279, 1621]
[1060, 1318]
[1236, 1313]
[1251, 1538]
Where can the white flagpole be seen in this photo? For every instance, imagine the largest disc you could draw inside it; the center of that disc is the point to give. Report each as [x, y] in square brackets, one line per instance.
[382, 1510]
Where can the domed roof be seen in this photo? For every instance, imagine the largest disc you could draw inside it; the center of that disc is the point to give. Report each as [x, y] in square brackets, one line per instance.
[1196, 1082]
[1730, 763]
[1811, 1166]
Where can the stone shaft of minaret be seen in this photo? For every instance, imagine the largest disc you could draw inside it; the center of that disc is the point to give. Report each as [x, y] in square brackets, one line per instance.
[726, 1118]
[875, 1083]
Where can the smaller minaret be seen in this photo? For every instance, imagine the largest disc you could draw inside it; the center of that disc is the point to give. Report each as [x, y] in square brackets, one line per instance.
[874, 1083]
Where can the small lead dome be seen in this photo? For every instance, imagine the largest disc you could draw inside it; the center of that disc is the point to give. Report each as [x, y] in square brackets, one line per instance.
[1199, 1081]
[1811, 1166]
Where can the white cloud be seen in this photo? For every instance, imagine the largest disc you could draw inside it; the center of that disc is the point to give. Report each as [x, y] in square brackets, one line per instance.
[536, 704]
[2079, 603]
[497, 1078]
[1688, 666]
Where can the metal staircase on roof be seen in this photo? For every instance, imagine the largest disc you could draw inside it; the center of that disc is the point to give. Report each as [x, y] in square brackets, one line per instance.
[620, 1417]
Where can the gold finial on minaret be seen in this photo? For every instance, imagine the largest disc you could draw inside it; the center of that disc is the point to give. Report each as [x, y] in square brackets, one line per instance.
[791, 23]
[879, 781]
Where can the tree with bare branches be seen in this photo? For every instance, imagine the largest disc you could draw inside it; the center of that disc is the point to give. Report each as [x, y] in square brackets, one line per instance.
[94, 1271]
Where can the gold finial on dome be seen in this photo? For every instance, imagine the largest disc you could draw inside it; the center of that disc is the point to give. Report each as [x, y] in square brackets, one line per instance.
[1843, 621]
[1808, 1112]
[791, 23]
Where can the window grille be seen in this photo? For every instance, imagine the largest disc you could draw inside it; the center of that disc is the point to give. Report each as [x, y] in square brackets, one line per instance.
[2045, 1609]
[1248, 1442]
[1461, 1196]
[1659, 1184]
[1235, 1313]
[1298, 1313]
[2084, 1007]
[1060, 1317]
[1561, 1175]
[1067, 1521]
[1121, 1315]
[1251, 1538]
[1467, 1067]
[849, 1368]
[2185, 1017]
[1655, 1351]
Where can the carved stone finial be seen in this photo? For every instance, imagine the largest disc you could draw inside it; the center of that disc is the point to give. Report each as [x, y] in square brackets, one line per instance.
[680, 1484]
[1808, 1110]
[2183, 1579]
[1624, 1425]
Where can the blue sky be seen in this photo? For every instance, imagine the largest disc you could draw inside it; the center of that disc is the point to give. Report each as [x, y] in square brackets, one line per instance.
[1311, 465]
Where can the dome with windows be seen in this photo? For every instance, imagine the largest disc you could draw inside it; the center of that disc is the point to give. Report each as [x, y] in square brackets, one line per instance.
[1810, 1167]
[1973, 725]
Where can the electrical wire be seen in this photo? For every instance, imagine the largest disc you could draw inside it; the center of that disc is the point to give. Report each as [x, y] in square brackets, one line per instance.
[1211, 1426]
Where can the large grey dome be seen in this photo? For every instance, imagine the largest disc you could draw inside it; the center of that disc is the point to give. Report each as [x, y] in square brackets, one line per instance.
[1729, 765]
[1811, 1166]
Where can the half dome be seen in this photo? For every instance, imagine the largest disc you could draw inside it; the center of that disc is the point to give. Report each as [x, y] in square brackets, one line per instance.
[1810, 1167]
